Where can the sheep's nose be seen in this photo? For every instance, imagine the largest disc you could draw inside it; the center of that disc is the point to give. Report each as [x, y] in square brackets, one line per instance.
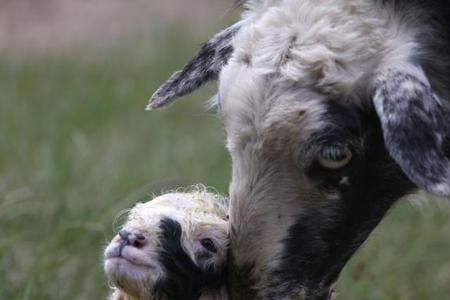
[132, 239]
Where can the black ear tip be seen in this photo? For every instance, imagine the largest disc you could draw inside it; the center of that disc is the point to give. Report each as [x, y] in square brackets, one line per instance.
[440, 189]
[162, 97]
[203, 67]
[149, 107]
[170, 90]
[156, 102]
[153, 104]
[436, 185]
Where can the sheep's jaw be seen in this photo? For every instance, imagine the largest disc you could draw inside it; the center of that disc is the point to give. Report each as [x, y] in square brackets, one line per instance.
[295, 225]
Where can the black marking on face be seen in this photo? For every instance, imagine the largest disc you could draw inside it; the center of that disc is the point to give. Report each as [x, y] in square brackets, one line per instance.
[342, 132]
[325, 236]
[342, 126]
[184, 279]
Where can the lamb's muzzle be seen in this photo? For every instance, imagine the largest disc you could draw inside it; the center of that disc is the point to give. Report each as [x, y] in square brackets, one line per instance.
[130, 239]
[173, 247]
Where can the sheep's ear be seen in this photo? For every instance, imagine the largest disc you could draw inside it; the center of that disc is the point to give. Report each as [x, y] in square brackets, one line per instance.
[415, 125]
[205, 66]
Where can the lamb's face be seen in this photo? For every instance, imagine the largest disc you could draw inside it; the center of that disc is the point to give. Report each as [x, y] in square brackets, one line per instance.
[170, 246]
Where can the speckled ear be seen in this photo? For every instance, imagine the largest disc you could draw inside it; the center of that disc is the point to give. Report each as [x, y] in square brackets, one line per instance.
[205, 66]
[415, 125]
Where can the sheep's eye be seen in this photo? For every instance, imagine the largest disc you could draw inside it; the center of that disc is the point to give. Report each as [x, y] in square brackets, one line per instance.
[208, 244]
[335, 157]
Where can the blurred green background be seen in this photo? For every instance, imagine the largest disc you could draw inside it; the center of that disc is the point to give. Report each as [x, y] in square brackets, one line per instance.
[77, 148]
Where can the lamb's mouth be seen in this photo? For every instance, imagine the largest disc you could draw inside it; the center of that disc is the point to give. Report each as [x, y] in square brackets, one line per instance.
[118, 257]
[121, 259]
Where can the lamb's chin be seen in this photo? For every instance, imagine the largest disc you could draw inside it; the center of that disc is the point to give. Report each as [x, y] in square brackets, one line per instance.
[131, 278]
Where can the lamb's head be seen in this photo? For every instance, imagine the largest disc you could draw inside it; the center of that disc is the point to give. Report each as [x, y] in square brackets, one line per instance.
[331, 114]
[172, 247]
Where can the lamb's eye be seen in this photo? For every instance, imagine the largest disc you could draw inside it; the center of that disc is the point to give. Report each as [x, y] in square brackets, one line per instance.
[335, 157]
[208, 244]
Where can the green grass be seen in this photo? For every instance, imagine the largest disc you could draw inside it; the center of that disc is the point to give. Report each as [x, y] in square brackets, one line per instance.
[77, 147]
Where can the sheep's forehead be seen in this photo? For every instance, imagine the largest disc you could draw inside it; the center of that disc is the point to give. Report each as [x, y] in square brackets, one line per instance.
[292, 57]
[308, 43]
[254, 108]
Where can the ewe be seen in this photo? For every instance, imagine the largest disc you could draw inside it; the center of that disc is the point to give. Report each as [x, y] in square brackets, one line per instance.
[333, 110]
[171, 248]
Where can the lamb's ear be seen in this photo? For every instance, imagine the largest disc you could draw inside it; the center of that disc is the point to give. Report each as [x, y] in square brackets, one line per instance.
[415, 124]
[205, 66]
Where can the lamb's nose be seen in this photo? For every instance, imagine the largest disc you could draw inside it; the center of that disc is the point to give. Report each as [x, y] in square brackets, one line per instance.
[133, 239]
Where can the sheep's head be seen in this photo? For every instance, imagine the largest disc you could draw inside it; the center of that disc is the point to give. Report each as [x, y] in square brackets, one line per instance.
[172, 247]
[330, 117]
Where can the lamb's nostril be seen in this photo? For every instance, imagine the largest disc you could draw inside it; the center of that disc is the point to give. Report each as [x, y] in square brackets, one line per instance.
[139, 240]
[140, 237]
[132, 239]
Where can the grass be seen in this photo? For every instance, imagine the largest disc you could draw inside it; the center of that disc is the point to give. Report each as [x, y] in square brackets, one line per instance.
[77, 148]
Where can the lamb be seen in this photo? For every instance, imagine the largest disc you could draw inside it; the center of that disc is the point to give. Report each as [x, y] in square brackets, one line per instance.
[173, 247]
[333, 110]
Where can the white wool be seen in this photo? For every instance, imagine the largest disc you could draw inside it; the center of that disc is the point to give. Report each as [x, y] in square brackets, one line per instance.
[322, 44]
